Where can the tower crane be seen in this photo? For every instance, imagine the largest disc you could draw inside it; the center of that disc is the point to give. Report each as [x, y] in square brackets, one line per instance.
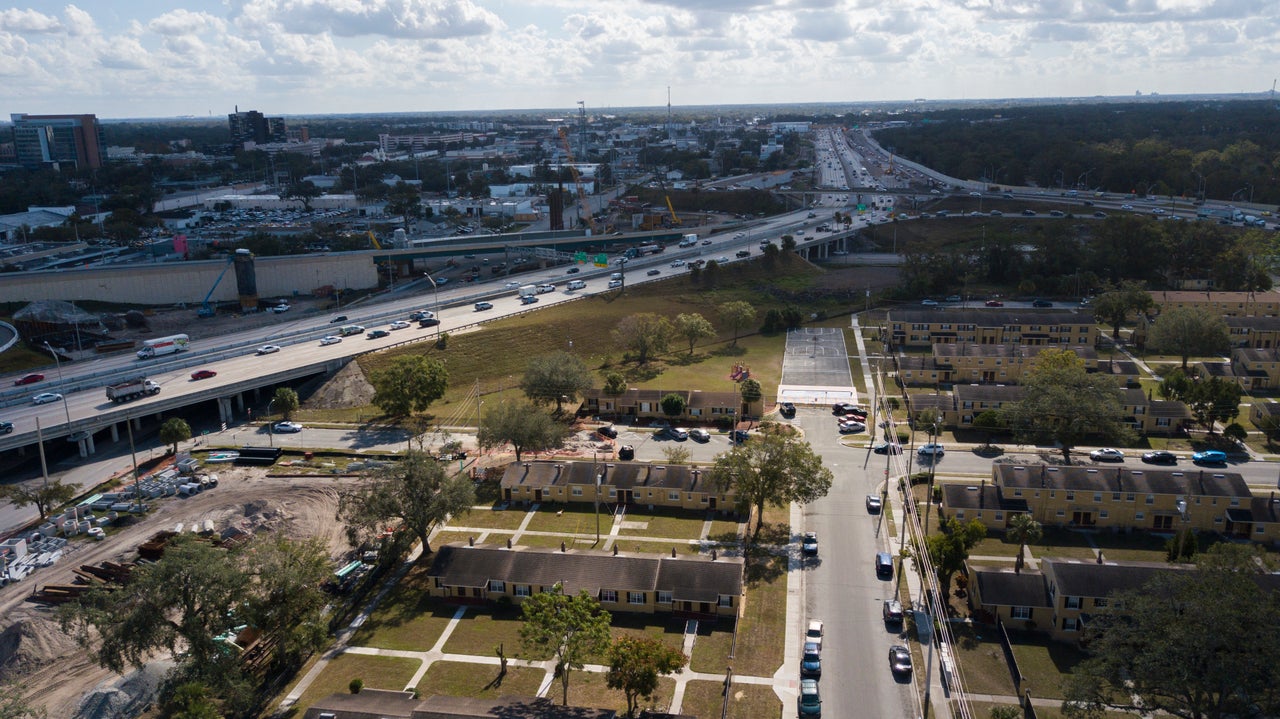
[577, 182]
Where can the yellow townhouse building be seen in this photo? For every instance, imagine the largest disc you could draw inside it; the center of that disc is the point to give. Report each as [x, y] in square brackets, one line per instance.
[672, 486]
[700, 407]
[1227, 304]
[913, 328]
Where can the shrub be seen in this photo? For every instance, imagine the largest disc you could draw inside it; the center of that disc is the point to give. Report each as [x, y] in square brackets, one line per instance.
[356, 685]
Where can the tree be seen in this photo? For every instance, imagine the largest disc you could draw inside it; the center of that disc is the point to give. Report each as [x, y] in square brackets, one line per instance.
[1189, 332]
[417, 490]
[1005, 712]
[751, 392]
[306, 191]
[693, 327]
[1213, 400]
[1063, 403]
[949, 549]
[409, 384]
[288, 601]
[175, 430]
[778, 468]
[614, 384]
[1024, 530]
[191, 700]
[737, 316]
[43, 495]
[571, 628]
[286, 401]
[676, 454]
[1197, 644]
[1235, 432]
[990, 422]
[644, 334]
[673, 404]
[555, 376]
[524, 426]
[635, 663]
[1114, 307]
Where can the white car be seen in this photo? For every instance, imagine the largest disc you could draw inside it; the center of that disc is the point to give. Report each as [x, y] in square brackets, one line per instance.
[547, 287]
[814, 632]
[511, 285]
[398, 325]
[46, 398]
[678, 263]
[286, 427]
[268, 349]
[614, 283]
[1107, 454]
[282, 307]
[932, 449]
[330, 340]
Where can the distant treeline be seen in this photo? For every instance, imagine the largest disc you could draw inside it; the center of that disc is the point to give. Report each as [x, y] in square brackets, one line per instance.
[1223, 150]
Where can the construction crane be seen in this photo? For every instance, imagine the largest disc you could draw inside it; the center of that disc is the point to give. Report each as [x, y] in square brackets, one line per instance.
[206, 309]
[675, 219]
[374, 240]
[577, 182]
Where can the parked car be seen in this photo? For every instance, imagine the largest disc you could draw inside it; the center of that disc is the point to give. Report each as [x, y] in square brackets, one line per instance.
[29, 378]
[608, 431]
[330, 340]
[809, 544]
[852, 427]
[203, 374]
[845, 408]
[811, 660]
[1160, 456]
[626, 452]
[738, 436]
[286, 427]
[787, 409]
[886, 448]
[1107, 454]
[339, 318]
[267, 350]
[813, 633]
[377, 334]
[994, 303]
[676, 433]
[874, 503]
[1209, 456]
[884, 565]
[891, 612]
[931, 449]
[810, 703]
[699, 435]
[900, 659]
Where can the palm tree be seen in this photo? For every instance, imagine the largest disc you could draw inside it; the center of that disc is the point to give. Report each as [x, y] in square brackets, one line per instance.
[1024, 530]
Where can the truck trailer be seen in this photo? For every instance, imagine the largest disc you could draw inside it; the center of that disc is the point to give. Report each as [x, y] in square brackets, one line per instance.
[163, 346]
[132, 389]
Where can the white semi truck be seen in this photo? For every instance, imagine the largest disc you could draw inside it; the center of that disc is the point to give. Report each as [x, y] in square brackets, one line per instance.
[163, 346]
[132, 389]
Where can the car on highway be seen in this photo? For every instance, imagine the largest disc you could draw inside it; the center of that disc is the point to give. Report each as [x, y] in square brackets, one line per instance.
[428, 322]
[377, 334]
[267, 350]
[1041, 303]
[953, 298]
[813, 633]
[46, 398]
[809, 701]
[286, 427]
[398, 325]
[421, 314]
[6, 427]
[811, 660]
[699, 435]
[654, 272]
[706, 242]
[1209, 456]
[1107, 454]
[483, 306]
[1160, 456]
[677, 263]
[339, 318]
[994, 303]
[932, 449]
[886, 448]
[929, 303]
[874, 503]
[29, 378]
[203, 374]
[330, 340]
[1126, 207]
[742, 253]
[546, 287]
[572, 271]
[1028, 213]
[280, 308]
[529, 299]
[809, 544]
[511, 285]
[1100, 215]
[614, 284]
[900, 659]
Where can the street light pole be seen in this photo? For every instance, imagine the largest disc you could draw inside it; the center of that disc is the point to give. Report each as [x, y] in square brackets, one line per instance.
[61, 384]
[271, 437]
[436, 289]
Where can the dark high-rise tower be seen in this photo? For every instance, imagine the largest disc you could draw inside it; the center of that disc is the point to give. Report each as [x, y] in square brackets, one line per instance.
[40, 140]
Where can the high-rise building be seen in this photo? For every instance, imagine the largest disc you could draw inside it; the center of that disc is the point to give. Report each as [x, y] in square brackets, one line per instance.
[252, 126]
[42, 140]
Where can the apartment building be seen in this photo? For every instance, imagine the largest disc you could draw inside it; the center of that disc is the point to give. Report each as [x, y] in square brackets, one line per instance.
[913, 328]
[1227, 304]
[1117, 498]
[1256, 332]
[965, 363]
[653, 485]
[700, 407]
[1143, 414]
[685, 584]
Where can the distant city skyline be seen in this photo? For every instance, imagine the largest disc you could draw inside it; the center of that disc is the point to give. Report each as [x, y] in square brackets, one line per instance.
[167, 58]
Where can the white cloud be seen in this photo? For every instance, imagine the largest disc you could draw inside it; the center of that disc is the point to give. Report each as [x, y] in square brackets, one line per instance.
[391, 18]
[14, 20]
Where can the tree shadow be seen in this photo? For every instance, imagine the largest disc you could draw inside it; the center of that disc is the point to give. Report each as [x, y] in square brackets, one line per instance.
[642, 373]
[763, 565]
[684, 360]
[729, 351]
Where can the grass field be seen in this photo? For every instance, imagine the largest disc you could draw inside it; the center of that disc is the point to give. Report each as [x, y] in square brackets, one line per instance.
[762, 624]
[463, 679]
[485, 630]
[746, 701]
[406, 618]
[377, 672]
[489, 519]
[677, 524]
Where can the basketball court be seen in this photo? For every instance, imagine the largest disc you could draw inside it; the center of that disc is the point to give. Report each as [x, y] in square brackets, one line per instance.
[815, 368]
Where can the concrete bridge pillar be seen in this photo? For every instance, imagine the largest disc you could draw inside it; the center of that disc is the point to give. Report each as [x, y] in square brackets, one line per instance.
[115, 431]
[84, 449]
[91, 446]
[240, 401]
[224, 410]
[137, 424]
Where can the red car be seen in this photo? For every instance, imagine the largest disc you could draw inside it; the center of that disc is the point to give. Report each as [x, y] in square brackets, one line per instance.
[203, 374]
[30, 379]
[995, 303]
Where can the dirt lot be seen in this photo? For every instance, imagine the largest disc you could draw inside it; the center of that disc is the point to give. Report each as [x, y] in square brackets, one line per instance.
[34, 650]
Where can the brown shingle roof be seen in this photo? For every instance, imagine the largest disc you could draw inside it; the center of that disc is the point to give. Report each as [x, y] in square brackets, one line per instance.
[368, 704]
[999, 586]
[991, 317]
[988, 393]
[509, 707]
[1121, 479]
[980, 497]
[622, 475]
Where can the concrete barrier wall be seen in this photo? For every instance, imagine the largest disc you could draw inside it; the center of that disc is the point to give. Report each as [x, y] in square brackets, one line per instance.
[168, 283]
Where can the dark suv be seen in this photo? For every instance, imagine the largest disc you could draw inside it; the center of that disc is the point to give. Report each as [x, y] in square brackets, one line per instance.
[787, 410]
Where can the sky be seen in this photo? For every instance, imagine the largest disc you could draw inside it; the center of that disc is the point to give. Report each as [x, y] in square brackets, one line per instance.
[167, 58]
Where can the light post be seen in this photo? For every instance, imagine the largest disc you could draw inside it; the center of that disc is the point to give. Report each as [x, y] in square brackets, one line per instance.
[1199, 186]
[61, 384]
[436, 289]
[271, 437]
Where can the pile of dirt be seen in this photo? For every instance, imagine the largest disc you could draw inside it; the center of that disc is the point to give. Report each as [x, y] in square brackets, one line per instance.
[30, 643]
[348, 388]
[125, 697]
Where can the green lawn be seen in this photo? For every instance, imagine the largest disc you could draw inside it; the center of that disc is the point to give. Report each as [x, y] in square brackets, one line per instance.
[746, 701]
[981, 661]
[463, 679]
[377, 672]
[447, 537]
[677, 524]
[484, 630]
[546, 540]
[570, 519]
[762, 624]
[406, 618]
[1044, 664]
[489, 519]
[588, 689]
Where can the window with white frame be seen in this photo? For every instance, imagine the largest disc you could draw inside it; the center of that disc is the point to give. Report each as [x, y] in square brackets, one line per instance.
[1151, 499]
[726, 600]
[673, 496]
[608, 595]
[1099, 602]
[664, 597]
[635, 597]
[523, 590]
[1070, 624]
[577, 491]
[1020, 612]
[497, 585]
[613, 492]
[1139, 516]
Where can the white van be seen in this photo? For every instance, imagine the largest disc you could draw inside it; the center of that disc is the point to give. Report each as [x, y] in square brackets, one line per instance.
[616, 276]
[576, 285]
